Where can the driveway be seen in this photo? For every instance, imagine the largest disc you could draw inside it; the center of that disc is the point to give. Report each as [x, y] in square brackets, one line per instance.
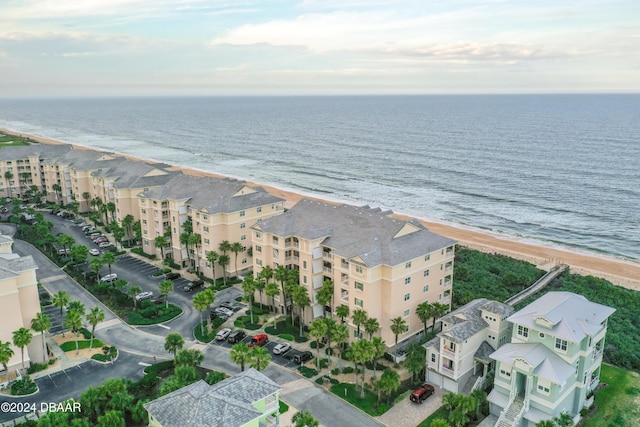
[409, 414]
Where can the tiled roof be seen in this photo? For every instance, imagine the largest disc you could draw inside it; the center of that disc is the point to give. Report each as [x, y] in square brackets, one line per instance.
[572, 316]
[350, 231]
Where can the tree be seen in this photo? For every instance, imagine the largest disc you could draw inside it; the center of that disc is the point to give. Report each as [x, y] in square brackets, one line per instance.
[325, 296]
[127, 223]
[224, 246]
[173, 342]
[189, 357]
[341, 336]
[249, 288]
[300, 297]
[398, 326]
[546, 423]
[111, 418]
[425, 312]
[342, 311]
[111, 208]
[74, 322]
[60, 300]
[79, 253]
[416, 357]
[304, 419]
[94, 317]
[65, 241]
[132, 291]
[272, 290]
[195, 240]
[260, 284]
[371, 326]
[6, 353]
[86, 196]
[21, 338]
[331, 329]
[41, 323]
[379, 348]
[390, 382]
[184, 240]
[109, 258]
[96, 264]
[210, 296]
[439, 310]
[281, 275]
[480, 398]
[120, 284]
[166, 287]
[212, 258]
[362, 352]
[236, 248]
[564, 420]
[358, 318]
[318, 330]
[118, 233]
[439, 422]
[201, 304]
[240, 354]
[259, 358]
[76, 306]
[266, 273]
[223, 260]
[58, 190]
[160, 242]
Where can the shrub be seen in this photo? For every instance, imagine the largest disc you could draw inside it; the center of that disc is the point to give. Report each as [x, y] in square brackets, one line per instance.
[283, 407]
[36, 367]
[347, 370]
[334, 381]
[23, 386]
[382, 408]
[314, 344]
[320, 380]
[139, 251]
[324, 363]
[335, 371]
[214, 377]
[307, 372]
[287, 337]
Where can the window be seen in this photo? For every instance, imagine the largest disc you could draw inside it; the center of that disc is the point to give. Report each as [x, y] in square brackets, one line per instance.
[407, 264]
[425, 273]
[259, 209]
[407, 297]
[425, 288]
[243, 224]
[258, 249]
[433, 357]
[259, 261]
[205, 217]
[276, 253]
[304, 264]
[258, 235]
[505, 373]
[522, 331]
[359, 286]
[358, 302]
[359, 269]
[244, 260]
[244, 249]
[427, 257]
[243, 237]
[406, 329]
[206, 241]
[206, 229]
[441, 266]
[561, 344]
[406, 313]
[541, 335]
[407, 280]
[144, 211]
[241, 213]
[144, 221]
[543, 389]
[304, 279]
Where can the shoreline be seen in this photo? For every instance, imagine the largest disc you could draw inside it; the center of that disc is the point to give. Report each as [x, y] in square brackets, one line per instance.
[619, 271]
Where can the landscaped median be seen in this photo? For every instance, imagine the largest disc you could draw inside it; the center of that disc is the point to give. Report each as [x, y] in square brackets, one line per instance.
[202, 332]
[86, 348]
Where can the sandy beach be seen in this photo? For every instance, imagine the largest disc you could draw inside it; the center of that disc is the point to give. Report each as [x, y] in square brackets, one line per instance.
[621, 272]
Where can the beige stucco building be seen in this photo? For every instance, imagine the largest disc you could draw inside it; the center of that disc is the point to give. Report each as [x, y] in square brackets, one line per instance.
[376, 262]
[19, 302]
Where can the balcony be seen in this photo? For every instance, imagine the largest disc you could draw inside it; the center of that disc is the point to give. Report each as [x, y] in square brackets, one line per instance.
[450, 372]
[327, 269]
[450, 353]
[447, 283]
[344, 264]
[327, 255]
[449, 252]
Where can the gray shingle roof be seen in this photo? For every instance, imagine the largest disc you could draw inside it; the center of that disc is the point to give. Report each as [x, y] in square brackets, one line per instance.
[572, 316]
[133, 174]
[215, 195]
[352, 231]
[546, 363]
[12, 267]
[41, 150]
[225, 404]
[484, 352]
[466, 321]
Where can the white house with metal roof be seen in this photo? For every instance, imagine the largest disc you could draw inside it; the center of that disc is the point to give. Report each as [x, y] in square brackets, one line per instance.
[553, 361]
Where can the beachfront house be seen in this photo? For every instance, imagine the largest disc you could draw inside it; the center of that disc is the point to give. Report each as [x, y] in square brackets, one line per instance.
[247, 399]
[458, 357]
[218, 209]
[553, 361]
[378, 263]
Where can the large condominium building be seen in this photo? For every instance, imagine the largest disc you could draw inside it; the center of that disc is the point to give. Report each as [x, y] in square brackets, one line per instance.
[219, 209]
[383, 265]
[553, 361]
[19, 303]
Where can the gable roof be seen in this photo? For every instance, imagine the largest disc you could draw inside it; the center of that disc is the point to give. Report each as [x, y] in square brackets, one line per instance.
[466, 321]
[228, 403]
[368, 234]
[546, 364]
[564, 315]
[40, 150]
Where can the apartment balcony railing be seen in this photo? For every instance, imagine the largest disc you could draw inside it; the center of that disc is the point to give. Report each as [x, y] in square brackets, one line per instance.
[327, 269]
[448, 353]
[327, 255]
[292, 244]
[345, 280]
[596, 354]
[447, 283]
[448, 371]
[271, 406]
[296, 258]
[446, 299]
[448, 269]
[449, 252]
[344, 264]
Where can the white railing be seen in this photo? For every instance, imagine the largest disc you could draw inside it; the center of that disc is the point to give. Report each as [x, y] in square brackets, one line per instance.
[478, 384]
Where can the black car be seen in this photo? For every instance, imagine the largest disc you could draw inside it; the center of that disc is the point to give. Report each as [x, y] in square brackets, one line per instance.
[193, 285]
[172, 276]
[236, 336]
[303, 357]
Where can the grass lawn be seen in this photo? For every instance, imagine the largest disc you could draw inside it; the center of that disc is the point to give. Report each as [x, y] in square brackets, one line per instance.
[619, 403]
[12, 141]
[82, 344]
[207, 337]
[153, 315]
[369, 404]
[440, 413]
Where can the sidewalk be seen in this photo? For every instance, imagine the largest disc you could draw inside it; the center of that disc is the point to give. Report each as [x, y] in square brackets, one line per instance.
[63, 361]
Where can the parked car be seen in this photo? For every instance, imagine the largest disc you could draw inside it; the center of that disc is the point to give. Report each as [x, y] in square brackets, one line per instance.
[96, 236]
[172, 275]
[223, 312]
[236, 336]
[100, 240]
[109, 278]
[158, 300]
[193, 285]
[4, 209]
[94, 252]
[223, 334]
[63, 251]
[233, 306]
[259, 340]
[144, 295]
[105, 245]
[303, 357]
[422, 393]
[281, 348]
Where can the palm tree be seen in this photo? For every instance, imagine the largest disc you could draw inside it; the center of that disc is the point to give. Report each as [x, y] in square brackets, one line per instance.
[166, 287]
[340, 337]
[66, 241]
[41, 323]
[212, 258]
[120, 284]
[480, 397]
[6, 353]
[546, 423]
[236, 248]
[318, 330]
[224, 246]
[76, 306]
[390, 382]
[79, 253]
[240, 354]
[362, 352]
[223, 260]
[173, 342]
[96, 264]
[60, 300]
[132, 291]
[195, 240]
[201, 304]
[325, 296]
[259, 285]
[439, 422]
[109, 258]
[439, 310]
[127, 222]
[86, 196]
[331, 329]
[379, 348]
[74, 323]
[300, 298]
[266, 273]
[210, 298]
[189, 357]
[564, 420]
[184, 240]
[304, 419]
[358, 318]
[398, 326]
[94, 317]
[160, 242]
[342, 311]
[281, 275]
[416, 355]
[425, 312]
[259, 358]
[249, 288]
[21, 338]
[371, 326]
[57, 189]
[111, 208]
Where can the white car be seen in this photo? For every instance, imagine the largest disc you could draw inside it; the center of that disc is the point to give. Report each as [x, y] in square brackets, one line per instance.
[94, 252]
[144, 295]
[105, 245]
[109, 278]
[281, 348]
[223, 312]
[223, 334]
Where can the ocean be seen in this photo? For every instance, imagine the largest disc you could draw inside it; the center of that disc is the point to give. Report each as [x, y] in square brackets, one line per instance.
[560, 169]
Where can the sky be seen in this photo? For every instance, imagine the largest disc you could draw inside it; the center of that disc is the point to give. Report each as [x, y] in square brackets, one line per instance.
[280, 47]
